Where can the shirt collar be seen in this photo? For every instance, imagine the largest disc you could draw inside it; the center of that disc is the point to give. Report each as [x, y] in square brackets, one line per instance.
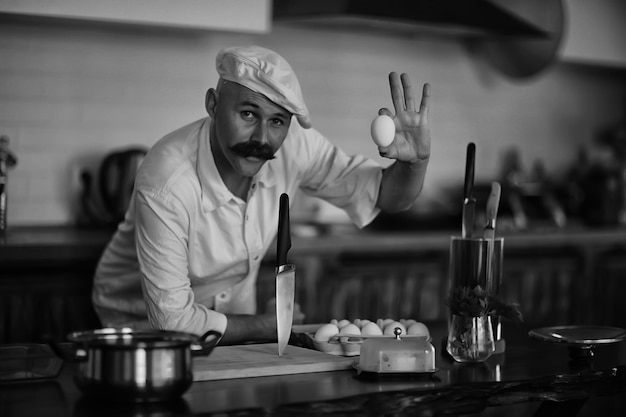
[214, 191]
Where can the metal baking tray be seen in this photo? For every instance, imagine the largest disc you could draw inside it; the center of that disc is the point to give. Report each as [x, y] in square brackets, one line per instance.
[24, 362]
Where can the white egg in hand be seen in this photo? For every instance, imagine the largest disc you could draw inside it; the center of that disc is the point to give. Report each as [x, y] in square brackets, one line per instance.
[383, 130]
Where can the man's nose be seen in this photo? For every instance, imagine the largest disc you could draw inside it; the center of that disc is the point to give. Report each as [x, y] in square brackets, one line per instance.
[260, 133]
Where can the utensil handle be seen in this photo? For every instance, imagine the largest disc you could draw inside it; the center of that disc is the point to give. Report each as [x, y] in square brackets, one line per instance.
[75, 355]
[206, 346]
[284, 234]
[3, 205]
[470, 162]
[490, 228]
[493, 203]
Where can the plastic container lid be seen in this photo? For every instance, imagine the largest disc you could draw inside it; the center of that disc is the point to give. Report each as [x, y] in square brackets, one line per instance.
[414, 354]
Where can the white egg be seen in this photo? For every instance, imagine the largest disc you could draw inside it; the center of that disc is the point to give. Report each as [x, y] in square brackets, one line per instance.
[418, 329]
[343, 323]
[389, 328]
[408, 322]
[383, 130]
[363, 322]
[371, 329]
[325, 332]
[349, 329]
[385, 322]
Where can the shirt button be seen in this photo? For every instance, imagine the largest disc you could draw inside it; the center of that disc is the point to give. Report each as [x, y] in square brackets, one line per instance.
[247, 218]
[256, 258]
[223, 296]
[253, 186]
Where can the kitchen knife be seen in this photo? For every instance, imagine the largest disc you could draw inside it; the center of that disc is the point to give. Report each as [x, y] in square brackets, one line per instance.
[285, 277]
[469, 202]
[490, 231]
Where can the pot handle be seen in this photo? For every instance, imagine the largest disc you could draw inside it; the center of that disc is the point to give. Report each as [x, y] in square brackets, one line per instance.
[73, 354]
[206, 346]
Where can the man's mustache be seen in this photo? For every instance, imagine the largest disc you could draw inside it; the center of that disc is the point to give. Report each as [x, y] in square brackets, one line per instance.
[254, 149]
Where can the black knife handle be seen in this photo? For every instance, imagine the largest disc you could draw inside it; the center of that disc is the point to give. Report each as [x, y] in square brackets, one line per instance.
[284, 234]
[470, 161]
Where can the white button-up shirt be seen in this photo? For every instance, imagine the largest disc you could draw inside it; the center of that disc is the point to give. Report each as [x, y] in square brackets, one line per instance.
[188, 251]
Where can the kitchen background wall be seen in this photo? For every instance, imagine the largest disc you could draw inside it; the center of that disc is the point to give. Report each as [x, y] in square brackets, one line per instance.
[70, 93]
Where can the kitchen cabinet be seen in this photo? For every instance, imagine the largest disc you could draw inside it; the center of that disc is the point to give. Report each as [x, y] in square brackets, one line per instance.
[610, 274]
[45, 300]
[595, 32]
[558, 277]
[228, 15]
[45, 282]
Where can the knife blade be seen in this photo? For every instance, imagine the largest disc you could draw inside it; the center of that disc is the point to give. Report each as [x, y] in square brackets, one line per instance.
[490, 231]
[469, 202]
[285, 277]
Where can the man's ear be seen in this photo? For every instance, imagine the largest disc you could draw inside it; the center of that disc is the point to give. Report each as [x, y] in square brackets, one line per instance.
[210, 102]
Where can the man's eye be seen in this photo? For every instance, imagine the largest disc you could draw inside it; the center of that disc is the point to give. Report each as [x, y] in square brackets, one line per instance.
[278, 122]
[247, 114]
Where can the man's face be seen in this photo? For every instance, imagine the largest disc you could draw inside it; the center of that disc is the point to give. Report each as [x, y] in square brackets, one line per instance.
[247, 131]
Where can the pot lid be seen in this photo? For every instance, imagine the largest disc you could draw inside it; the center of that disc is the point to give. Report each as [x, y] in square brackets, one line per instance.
[132, 338]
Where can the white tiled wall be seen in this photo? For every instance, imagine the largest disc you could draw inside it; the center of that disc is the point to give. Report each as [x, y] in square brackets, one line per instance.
[71, 93]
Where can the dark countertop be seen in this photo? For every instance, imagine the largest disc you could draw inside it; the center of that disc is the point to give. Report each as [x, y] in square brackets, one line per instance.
[528, 373]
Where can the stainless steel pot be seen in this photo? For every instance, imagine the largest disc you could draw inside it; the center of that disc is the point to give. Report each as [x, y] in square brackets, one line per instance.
[135, 365]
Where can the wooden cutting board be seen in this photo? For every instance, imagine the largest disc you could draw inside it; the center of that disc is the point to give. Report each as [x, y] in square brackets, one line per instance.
[244, 361]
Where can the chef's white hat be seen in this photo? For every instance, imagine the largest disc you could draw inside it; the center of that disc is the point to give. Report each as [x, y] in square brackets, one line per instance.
[265, 72]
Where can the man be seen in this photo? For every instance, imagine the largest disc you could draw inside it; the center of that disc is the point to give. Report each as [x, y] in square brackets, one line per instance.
[204, 208]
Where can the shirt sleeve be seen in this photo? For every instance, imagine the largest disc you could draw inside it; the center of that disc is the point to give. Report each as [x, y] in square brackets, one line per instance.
[162, 236]
[351, 183]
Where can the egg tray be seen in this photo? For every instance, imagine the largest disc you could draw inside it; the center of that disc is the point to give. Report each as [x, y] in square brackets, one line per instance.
[346, 345]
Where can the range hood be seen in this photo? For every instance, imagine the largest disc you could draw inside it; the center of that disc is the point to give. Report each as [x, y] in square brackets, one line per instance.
[454, 17]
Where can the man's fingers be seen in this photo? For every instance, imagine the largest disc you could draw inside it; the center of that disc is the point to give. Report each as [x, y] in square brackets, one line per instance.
[403, 97]
[409, 99]
[385, 111]
[397, 95]
[424, 105]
